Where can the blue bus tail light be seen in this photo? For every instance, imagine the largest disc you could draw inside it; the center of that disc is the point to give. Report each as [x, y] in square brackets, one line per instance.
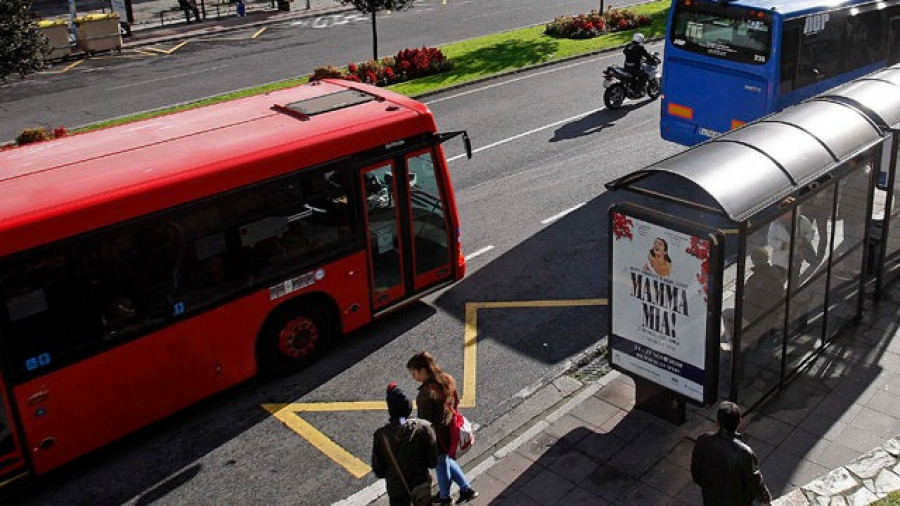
[681, 111]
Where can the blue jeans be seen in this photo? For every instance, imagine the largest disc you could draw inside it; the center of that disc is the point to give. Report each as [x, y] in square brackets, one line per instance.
[447, 469]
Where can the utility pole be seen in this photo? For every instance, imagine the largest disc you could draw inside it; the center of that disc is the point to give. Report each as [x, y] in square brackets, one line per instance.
[72, 15]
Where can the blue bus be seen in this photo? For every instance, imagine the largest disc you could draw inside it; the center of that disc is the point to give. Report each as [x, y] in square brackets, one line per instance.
[727, 63]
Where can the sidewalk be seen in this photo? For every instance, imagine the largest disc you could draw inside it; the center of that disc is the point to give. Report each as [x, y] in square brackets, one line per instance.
[830, 437]
[157, 21]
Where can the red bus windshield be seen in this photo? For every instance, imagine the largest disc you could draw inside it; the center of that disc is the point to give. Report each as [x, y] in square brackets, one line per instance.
[729, 33]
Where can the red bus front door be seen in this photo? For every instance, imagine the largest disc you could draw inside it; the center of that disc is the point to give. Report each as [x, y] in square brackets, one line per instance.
[385, 243]
[409, 238]
[12, 462]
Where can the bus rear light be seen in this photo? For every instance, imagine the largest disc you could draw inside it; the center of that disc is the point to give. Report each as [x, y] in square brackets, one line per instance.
[680, 111]
[736, 123]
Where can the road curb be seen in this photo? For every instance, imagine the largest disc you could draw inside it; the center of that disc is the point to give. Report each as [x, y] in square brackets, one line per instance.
[568, 399]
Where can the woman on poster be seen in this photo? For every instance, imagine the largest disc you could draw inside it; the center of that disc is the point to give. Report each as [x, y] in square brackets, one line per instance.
[658, 259]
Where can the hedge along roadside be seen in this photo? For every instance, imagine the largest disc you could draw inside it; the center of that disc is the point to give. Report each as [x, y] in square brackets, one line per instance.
[474, 60]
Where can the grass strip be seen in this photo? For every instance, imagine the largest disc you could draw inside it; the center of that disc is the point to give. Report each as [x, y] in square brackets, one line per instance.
[472, 59]
[892, 499]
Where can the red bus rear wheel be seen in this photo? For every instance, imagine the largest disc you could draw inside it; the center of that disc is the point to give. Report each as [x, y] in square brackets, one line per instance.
[292, 337]
[299, 337]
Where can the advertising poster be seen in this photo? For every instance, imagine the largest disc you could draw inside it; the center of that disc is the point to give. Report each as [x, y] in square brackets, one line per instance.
[659, 297]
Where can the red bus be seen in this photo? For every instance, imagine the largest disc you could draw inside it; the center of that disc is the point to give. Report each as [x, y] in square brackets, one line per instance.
[168, 259]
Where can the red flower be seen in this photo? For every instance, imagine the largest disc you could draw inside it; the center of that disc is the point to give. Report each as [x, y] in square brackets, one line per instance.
[352, 68]
[59, 131]
[699, 249]
[622, 226]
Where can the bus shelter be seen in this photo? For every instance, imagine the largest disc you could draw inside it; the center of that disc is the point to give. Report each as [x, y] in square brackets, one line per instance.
[875, 95]
[733, 264]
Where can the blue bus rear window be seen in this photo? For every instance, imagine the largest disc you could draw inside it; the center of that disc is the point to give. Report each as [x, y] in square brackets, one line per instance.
[730, 33]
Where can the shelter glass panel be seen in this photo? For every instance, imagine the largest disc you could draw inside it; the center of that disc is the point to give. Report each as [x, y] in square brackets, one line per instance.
[804, 336]
[892, 250]
[844, 292]
[809, 276]
[763, 304]
[726, 341]
[850, 215]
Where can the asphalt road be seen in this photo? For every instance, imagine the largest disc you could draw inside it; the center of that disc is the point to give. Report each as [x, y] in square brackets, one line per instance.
[533, 209]
[114, 85]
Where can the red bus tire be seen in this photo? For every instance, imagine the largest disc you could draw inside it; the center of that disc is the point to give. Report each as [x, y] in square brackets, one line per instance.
[292, 337]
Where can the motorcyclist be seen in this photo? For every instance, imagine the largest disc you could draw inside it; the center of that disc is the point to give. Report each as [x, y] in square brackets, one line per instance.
[635, 53]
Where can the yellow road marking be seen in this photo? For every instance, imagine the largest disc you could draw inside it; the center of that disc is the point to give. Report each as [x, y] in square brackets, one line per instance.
[258, 33]
[470, 356]
[289, 413]
[325, 445]
[177, 47]
[167, 51]
[66, 68]
[470, 348]
[539, 303]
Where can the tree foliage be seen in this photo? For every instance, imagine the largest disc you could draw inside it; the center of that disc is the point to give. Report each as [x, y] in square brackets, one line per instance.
[372, 7]
[21, 42]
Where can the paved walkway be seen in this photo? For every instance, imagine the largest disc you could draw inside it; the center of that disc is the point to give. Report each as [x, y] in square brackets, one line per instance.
[158, 21]
[830, 437]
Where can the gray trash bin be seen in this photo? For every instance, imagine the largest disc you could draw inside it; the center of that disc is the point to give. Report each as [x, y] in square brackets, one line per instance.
[57, 33]
[98, 32]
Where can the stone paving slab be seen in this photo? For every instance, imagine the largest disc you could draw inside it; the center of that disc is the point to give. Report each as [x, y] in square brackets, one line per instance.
[828, 438]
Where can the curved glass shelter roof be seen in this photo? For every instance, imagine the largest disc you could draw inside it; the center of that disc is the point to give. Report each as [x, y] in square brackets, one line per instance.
[754, 167]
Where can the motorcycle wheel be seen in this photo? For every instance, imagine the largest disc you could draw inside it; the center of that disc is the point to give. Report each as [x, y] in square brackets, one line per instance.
[653, 89]
[614, 96]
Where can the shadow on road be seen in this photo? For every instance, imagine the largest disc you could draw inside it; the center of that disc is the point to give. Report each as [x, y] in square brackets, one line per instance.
[149, 464]
[593, 123]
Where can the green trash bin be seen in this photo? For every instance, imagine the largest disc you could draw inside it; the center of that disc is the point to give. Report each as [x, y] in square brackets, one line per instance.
[96, 33]
[56, 31]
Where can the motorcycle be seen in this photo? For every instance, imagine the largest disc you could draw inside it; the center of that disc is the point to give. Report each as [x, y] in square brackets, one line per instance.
[620, 84]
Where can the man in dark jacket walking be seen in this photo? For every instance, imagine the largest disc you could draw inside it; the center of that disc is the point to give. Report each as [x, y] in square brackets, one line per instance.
[414, 448]
[725, 467]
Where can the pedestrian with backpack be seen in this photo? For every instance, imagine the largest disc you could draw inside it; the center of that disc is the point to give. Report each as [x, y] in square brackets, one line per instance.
[403, 451]
[437, 401]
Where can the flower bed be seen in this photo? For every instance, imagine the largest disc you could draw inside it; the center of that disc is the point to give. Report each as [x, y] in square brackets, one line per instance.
[31, 135]
[594, 24]
[407, 64]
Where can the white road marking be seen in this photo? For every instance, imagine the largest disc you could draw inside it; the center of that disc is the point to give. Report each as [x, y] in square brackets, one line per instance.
[513, 80]
[201, 71]
[529, 132]
[479, 252]
[560, 215]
